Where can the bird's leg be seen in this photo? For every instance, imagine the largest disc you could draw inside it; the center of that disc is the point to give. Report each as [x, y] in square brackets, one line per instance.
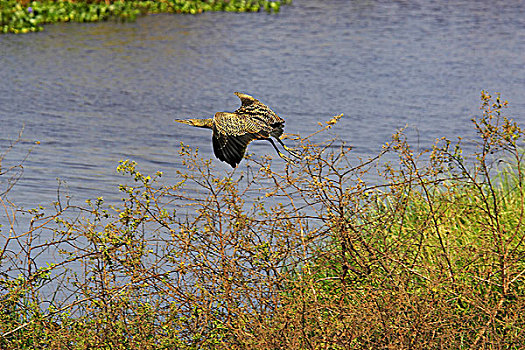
[279, 152]
[288, 149]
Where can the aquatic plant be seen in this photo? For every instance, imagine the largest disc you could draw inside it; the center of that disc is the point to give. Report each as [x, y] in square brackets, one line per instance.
[315, 255]
[24, 16]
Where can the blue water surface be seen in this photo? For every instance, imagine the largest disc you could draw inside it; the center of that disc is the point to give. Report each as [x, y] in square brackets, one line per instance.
[94, 94]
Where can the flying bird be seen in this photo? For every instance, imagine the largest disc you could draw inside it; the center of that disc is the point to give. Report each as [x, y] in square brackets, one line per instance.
[232, 132]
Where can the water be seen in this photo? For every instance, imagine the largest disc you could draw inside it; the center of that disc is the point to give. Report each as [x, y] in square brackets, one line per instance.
[93, 94]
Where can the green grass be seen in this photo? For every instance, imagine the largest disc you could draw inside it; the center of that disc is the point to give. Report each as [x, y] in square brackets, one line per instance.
[440, 270]
[24, 16]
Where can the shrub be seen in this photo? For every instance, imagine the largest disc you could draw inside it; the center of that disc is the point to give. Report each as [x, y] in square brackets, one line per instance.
[319, 254]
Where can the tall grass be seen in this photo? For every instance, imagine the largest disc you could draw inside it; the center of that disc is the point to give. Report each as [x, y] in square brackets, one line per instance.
[311, 256]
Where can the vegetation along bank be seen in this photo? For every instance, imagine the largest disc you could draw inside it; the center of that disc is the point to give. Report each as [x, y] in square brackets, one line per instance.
[432, 256]
[19, 16]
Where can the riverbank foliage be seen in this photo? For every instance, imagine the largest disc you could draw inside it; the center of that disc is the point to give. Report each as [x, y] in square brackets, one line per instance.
[314, 256]
[23, 16]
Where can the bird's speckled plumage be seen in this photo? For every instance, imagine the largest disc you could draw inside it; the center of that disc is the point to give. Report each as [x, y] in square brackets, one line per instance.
[232, 132]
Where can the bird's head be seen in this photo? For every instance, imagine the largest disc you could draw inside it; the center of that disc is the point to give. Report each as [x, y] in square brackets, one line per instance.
[186, 121]
[200, 123]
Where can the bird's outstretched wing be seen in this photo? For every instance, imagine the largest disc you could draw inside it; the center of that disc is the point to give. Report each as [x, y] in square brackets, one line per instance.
[231, 135]
[246, 99]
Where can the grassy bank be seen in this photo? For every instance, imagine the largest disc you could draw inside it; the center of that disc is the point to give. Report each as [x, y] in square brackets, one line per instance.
[309, 257]
[17, 16]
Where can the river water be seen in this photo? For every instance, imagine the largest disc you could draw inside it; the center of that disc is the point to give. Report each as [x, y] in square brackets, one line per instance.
[93, 94]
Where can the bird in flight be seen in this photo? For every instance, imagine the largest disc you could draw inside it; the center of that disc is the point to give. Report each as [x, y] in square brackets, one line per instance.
[232, 132]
